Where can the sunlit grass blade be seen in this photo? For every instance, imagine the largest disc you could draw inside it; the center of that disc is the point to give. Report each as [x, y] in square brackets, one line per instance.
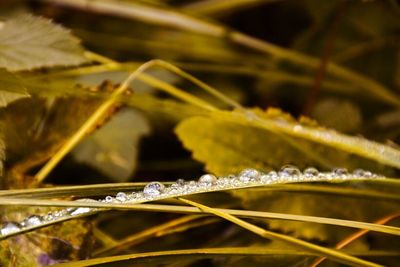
[113, 188]
[69, 191]
[194, 80]
[218, 95]
[351, 144]
[247, 71]
[185, 210]
[131, 259]
[103, 237]
[296, 243]
[84, 129]
[104, 107]
[207, 253]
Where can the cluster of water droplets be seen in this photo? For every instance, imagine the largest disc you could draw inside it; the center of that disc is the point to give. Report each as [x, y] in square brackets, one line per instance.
[206, 183]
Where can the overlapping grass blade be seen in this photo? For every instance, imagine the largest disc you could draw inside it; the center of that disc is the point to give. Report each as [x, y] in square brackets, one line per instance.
[113, 188]
[185, 210]
[206, 253]
[297, 243]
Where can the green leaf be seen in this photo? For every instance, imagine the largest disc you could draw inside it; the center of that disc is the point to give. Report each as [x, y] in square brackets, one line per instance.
[113, 149]
[229, 147]
[28, 42]
[227, 142]
[11, 88]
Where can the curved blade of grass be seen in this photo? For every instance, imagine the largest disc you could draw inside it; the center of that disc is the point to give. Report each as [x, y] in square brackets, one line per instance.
[181, 209]
[214, 92]
[270, 75]
[69, 191]
[188, 226]
[195, 253]
[360, 146]
[205, 253]
[296, 243]
[113, 188]
[179, 20]
[287, 130]
[89, 124]
[161, 63]
[103, 109]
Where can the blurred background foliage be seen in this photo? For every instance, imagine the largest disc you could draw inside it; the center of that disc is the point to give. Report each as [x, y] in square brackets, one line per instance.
[151, 135]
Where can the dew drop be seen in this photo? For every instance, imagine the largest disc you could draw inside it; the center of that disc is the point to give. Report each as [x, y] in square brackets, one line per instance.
[289, 170]
[32, 220]
[153, 189]
[310, 172]
[59, 213]
[265, 178]
[273, 175]
[208, 179]
[121, 196]
[134, 195]
[178, 185]
[109, 199]
[360, 173]
[49, 217]
[181, 182]
[224, 181]
[9, 228]
[340, 171]
[297, 128]
[249, 175]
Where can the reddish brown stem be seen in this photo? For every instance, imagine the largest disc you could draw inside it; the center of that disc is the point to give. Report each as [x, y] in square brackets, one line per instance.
[326, 54]
[357, 235]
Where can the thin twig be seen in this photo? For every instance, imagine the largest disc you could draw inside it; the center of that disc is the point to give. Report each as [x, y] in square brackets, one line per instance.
[327, 51]
[357, 235]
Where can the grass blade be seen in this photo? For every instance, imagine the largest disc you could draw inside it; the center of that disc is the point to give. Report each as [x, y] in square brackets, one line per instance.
[297, 243]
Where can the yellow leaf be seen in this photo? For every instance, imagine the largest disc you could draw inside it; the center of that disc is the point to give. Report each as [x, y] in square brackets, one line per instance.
[230, 141]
